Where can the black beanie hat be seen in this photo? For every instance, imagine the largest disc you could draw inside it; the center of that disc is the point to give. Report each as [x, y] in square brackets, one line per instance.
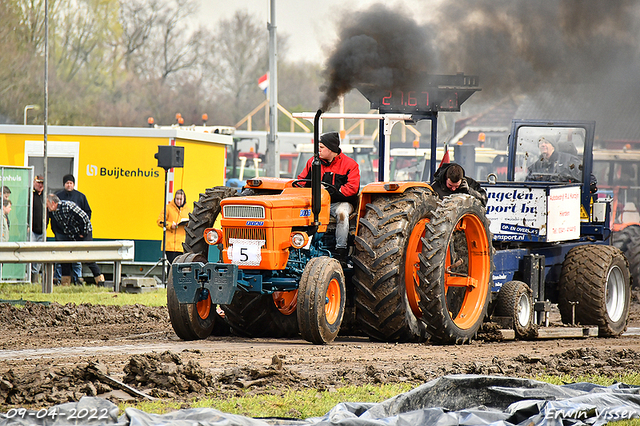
[332, 141]
[67, 178]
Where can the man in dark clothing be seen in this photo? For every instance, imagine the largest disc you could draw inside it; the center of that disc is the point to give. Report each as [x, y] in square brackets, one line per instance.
[69, 193]
[450, 179]
[555, 164]
[36, 221]
[75, 226]
[343, 174]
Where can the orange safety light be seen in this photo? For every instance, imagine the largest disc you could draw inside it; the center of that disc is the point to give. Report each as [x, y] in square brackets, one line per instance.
[205, 117]
[391, 186]
[416, 143]
[150, 121]
[481, 137]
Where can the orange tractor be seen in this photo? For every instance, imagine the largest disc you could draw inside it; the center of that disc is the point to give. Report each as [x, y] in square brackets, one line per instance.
[418, 267]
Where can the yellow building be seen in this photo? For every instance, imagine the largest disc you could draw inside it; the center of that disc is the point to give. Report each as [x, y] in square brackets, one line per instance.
[116, 168]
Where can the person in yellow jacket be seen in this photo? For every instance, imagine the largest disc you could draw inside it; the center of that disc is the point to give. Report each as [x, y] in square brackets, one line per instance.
[177, 218]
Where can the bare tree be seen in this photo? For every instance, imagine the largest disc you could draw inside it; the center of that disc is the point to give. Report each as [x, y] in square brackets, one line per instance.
[237, 57]
[164, 46]
[137, 19]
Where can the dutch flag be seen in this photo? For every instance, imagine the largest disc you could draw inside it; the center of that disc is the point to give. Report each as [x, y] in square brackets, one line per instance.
[263, 83]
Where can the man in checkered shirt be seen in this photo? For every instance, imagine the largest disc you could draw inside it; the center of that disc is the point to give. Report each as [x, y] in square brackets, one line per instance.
[76, 226]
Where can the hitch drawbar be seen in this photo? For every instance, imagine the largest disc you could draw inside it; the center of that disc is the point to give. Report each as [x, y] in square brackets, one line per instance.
[219, 279]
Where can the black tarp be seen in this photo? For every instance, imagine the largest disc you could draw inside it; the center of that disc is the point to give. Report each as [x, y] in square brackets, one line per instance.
[449, 400]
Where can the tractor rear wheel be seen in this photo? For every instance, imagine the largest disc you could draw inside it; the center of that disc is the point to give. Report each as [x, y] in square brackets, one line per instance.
[454, 317]
[628, 241]
[193, 321]
[204, 214]
[597, 278]
[515, 300]
[321, 300]
[388, 244]
[256, 315]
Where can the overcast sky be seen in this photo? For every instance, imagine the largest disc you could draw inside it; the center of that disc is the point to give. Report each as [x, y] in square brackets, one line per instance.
[310, 24]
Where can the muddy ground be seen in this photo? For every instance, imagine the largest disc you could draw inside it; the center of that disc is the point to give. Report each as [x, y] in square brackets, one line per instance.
[54, 354]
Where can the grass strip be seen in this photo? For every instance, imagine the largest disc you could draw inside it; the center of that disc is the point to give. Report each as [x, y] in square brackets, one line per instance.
[314, 403]
[79, 294]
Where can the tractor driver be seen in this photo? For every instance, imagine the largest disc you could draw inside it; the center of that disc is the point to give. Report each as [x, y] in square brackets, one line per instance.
[450, 179]
[343, 174]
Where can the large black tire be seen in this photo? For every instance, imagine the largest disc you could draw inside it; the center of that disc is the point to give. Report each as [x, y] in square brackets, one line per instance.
[515, 300]
[623, 238]
[383, 308]
[321, 300]
[193, 321]
[204, 214]
[256, 315]
[628, 241]
[597, 277]
[445, 326]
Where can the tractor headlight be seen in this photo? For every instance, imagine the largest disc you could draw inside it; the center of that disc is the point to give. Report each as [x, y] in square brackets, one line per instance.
[212, 236]
[299, 239]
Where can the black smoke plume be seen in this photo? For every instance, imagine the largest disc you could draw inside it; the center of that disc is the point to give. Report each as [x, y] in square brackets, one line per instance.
[379, 47]
[513, 45]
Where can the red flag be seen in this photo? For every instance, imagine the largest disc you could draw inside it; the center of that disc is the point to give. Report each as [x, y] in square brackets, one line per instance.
[445, 156]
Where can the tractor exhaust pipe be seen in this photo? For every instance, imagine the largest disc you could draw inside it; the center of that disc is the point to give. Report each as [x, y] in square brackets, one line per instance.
[316, 173]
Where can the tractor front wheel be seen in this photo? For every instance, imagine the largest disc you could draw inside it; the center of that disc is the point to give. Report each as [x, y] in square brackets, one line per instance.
[193, 321]
[321, 300]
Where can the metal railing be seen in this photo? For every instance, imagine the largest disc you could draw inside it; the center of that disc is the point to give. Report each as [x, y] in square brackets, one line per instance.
[50, 253]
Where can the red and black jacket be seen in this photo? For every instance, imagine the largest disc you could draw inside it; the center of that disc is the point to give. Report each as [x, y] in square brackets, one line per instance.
[343, 173]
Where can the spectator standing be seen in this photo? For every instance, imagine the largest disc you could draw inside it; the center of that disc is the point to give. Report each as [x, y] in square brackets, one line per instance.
[6, 208]
[177, 218]
[69, 193]
[36, 222]
[74, 225]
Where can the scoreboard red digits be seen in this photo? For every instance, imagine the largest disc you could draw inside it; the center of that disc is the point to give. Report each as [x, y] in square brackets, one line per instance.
[435, 93]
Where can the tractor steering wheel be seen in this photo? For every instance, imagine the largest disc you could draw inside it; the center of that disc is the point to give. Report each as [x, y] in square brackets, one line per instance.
[300, 183]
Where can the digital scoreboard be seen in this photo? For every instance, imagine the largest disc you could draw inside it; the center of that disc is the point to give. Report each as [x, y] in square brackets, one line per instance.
[429, 93]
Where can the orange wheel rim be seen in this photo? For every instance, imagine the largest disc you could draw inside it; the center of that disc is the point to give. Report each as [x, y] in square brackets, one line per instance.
[204, 307]
[412, 266]
[332, 302]
[286, 301]
[476, 282]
